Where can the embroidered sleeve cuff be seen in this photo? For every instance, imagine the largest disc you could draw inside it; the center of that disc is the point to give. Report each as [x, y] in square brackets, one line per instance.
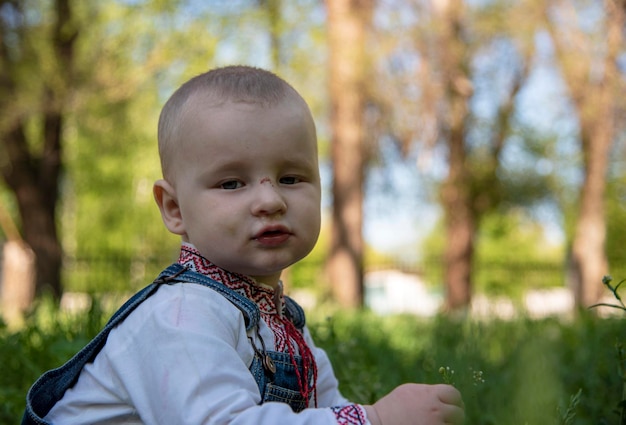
[351, 414]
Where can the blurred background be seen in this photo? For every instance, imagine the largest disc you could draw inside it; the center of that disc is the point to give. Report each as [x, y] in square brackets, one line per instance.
[469, 149]
[473, 159]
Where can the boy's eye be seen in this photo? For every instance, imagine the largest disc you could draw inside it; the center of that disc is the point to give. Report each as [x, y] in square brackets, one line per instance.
[231, 184]
[289, 180]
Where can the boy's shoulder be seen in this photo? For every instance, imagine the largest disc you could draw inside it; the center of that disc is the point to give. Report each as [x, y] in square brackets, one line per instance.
[187, 305]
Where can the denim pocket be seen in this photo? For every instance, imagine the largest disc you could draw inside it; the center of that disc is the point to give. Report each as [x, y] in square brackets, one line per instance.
[284, 395]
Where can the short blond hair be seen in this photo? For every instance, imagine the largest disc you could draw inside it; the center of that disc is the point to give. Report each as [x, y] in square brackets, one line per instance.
[236, 83]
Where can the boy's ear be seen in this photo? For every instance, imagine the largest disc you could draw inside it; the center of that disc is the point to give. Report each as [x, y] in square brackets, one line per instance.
[165, 197]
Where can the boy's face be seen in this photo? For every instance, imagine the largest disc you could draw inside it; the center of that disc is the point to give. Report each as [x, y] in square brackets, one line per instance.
[246, 186]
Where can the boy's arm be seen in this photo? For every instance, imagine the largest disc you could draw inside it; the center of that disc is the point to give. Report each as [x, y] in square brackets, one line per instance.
[193, 369]
[182, 357]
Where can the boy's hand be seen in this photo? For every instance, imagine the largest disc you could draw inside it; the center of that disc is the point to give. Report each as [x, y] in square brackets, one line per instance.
[418, 404]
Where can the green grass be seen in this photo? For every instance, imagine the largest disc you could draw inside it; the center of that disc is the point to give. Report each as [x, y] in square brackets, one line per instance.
[532, 370]
[48, 339]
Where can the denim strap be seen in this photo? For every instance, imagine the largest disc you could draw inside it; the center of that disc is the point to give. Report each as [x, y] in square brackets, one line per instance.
[51, 386]
[295, 313]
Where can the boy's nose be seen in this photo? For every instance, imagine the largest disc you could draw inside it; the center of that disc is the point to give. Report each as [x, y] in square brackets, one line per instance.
[268, 200]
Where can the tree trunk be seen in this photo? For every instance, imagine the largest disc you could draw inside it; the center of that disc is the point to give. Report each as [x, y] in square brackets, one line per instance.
[594, 97]
[34, 177]
[460, 229]
[589, 263]
[347, 24]
[456, 194]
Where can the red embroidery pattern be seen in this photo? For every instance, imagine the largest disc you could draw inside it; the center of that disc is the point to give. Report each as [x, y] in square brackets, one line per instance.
[262, 296]
[352, 414]
[287, 338]
[278, 330]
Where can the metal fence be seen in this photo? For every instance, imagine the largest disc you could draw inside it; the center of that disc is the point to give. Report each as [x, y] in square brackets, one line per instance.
[108, 274]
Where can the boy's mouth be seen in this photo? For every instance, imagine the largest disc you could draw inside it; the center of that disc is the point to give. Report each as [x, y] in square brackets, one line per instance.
[271, 233]
[274, 235]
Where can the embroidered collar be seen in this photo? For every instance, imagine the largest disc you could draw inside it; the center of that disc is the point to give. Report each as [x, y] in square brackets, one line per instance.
[287, 338]
[264, 296]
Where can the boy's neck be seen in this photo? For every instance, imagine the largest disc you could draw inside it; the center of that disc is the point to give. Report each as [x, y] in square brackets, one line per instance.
[191, 256]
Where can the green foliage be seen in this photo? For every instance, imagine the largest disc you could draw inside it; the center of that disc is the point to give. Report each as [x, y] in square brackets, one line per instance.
[568, 416]
[113, 236]
[48, 339]
[308, 273]
[518, 245]
[512, 236]
[529, 368]
[512, 255]
[616, 225]
[619, 345]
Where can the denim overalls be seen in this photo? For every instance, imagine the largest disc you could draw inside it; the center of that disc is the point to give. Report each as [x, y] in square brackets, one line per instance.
[273, 371]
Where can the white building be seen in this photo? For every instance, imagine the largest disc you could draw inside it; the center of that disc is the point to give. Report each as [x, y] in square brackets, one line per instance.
[392, 291]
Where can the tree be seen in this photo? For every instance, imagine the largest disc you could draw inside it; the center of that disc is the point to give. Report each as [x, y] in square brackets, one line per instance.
[348, 21]
[128, 58]
[51, 78]
[33, 121]
[458, 48]
[589, 66]
[456, 195]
